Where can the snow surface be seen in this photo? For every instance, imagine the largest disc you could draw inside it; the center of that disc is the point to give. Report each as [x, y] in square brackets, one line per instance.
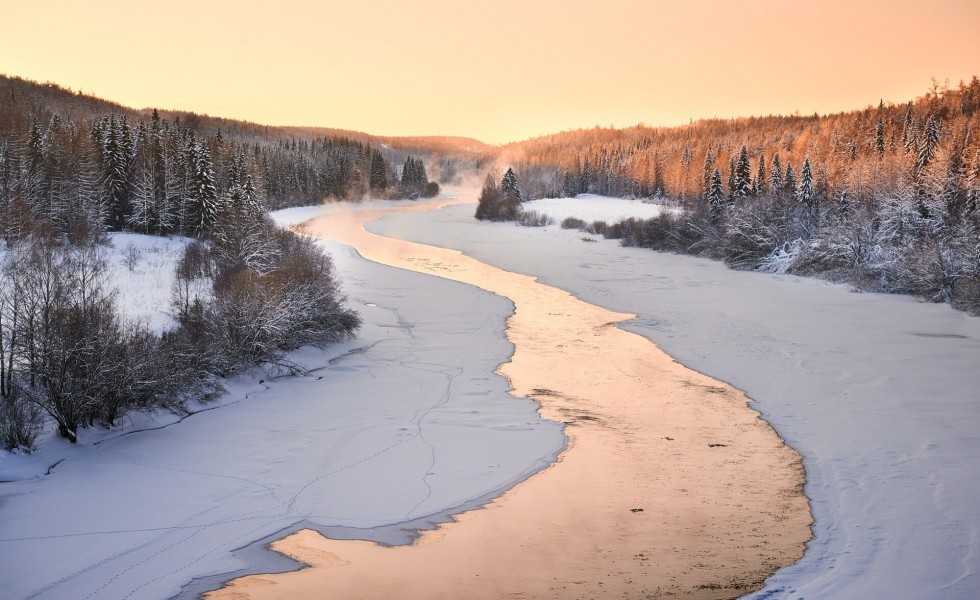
[592, 207]
[397, 429]
[144, 289]
[878, 392]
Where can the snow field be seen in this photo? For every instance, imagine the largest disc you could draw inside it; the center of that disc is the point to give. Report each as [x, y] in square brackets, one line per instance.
[142, 269]
[592, 207]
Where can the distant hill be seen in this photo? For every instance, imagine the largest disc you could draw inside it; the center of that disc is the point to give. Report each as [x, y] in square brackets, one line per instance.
[870, 152]
[45, 99]
[73, 158]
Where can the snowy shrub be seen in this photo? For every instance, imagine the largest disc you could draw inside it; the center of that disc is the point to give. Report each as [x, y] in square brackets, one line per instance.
[532, 218]
[20, 422]
[966, 295]
[782, 259]
[751, 237]
[932, 269]
[573, 223]
[663, 232]
[846, 250]
[907, 218]
[132, 257]
[598, 228]
[261, 303]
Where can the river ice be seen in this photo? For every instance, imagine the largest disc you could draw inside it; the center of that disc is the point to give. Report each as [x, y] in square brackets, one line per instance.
[880, 393]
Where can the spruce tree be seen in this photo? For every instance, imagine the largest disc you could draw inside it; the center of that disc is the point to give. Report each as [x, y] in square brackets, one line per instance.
[407, 171]
[789, 181]
[250, 197]
[203, 190]
[759, 185]
[731, 180]
[742, 176]
[927, 145]
[776, 175]
[510, 187]
[716, 196]
[709, 163]
[659, 189]
[115, 176]
[880, 138]
[805, 193]
[379, 175]
[908, 131]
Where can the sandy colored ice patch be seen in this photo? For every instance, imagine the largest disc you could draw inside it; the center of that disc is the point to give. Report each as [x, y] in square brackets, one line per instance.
[670, 485]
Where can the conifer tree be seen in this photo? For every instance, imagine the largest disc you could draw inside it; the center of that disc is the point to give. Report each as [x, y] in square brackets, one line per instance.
[115, 176]
[731, 180]
[658, 177]
[742, 176]
[775, 175]
[908, 131]
[805, 193]
[379, 172]
[204, 193]
[880, 138]
[716, 197]
[250, 197]
[709, 163]
[927, 145]
[789, 181]
[510, 187]
[759, 185]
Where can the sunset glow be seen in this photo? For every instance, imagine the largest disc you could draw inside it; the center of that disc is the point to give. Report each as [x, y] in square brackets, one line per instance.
[500, 71]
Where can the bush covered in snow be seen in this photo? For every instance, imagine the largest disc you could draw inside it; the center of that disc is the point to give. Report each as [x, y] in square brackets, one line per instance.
[255, 292]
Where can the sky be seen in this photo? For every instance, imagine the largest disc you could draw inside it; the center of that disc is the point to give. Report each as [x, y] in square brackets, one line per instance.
[497, 71]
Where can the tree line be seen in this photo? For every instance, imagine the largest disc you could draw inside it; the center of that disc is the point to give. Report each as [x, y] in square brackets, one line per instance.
[885, 198]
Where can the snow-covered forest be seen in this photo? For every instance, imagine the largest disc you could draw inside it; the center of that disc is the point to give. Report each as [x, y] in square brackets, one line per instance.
[885, 198]
[72, 169]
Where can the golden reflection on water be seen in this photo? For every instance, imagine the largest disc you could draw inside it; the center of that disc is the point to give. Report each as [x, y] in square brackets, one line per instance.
[670, 485]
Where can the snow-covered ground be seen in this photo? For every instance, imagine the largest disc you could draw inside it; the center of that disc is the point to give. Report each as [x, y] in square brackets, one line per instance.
[593, 207]
[142, 269]
[878, 392]
[400, 427]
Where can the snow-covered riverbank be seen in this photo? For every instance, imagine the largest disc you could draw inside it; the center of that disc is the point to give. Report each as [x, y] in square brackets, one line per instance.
[878, 392]
[402, 425]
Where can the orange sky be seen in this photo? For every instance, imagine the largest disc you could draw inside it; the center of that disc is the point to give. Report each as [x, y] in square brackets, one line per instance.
[497, 71]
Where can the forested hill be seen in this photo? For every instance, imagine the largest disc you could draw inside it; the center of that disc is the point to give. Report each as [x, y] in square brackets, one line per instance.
[881, 150]
[73, 157]
[887, 198]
